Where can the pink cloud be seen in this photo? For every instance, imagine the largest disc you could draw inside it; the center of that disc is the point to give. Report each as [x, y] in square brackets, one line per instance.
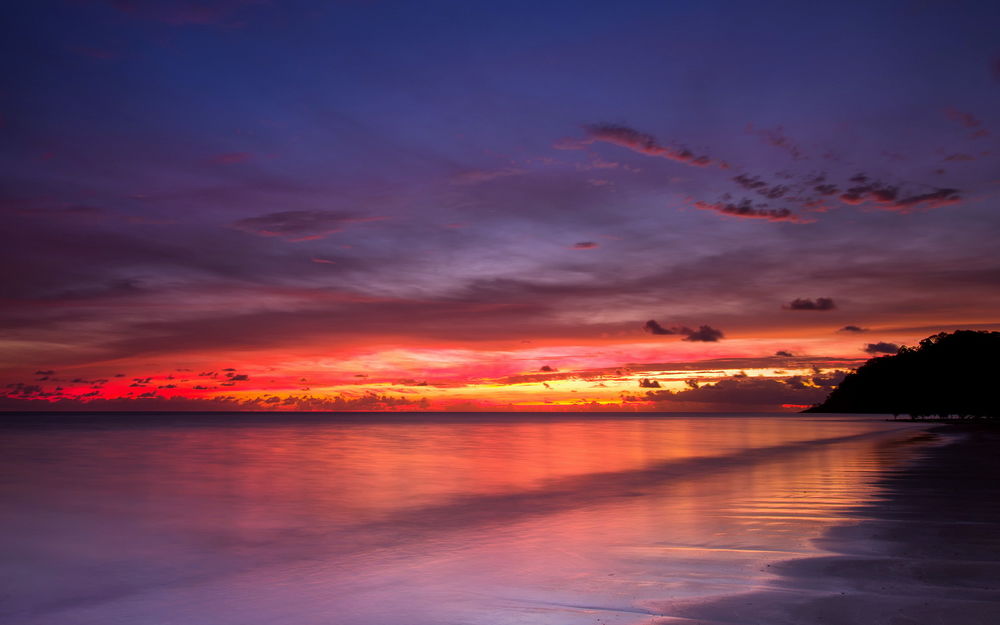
[634, 140]
[748, 210]
[888, 197]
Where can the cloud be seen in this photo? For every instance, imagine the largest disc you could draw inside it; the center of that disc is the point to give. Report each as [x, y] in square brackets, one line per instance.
[653, 327]
[777, 138]
[888, 196]
[45, 372]
[881, 348]
[476, 176]
[642, 143]
[301, 225]
[755, 184]
[584, 245]
[706, 334]
[703, 333]
[966, 119]
[648, 383]
[749, 393]
[242, 377]
[747, 209]
[231, 158]
[152, 402]
[852, 329]
[546, 369]
[820, 303]
[783, 353]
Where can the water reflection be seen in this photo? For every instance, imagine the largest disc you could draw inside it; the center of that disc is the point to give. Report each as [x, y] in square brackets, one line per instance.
[540, 519]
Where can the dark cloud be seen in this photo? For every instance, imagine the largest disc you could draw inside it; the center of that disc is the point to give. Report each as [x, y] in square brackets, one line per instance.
[706, 334]
[749, 393]
[653, 327]
[584, 245]
[755, 184]
[546, 369]
[300, 225]
[642, 143]
[748, 209]
[751, 183]
[852, 329]
[648, 383]
[783, 353]
[881, 348]
[889, 197]
[703, 333]
[242, 377]
[820, 303]
[45, 372]
[809, 191]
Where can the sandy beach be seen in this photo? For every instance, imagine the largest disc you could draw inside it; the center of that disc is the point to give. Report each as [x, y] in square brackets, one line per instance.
[928, 552]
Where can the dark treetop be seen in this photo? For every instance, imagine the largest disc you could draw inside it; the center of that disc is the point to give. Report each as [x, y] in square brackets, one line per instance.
[947, 374]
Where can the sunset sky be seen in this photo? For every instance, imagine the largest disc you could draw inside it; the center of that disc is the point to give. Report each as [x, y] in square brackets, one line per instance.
[371, 205]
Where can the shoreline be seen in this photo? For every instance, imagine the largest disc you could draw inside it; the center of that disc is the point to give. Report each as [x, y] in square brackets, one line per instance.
[926, 552]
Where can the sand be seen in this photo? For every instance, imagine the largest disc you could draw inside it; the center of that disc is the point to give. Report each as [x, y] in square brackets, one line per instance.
[927, 553]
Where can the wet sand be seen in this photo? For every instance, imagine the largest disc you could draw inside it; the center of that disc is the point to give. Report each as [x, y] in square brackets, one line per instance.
[928, 552]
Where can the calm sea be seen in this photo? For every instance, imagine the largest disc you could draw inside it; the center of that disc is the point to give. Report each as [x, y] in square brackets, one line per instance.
[420, 518]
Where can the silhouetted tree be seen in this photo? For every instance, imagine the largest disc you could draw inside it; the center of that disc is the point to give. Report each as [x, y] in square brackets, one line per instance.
[947, 374]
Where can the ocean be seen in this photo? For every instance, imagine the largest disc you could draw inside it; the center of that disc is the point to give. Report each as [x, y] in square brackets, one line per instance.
[364, 519]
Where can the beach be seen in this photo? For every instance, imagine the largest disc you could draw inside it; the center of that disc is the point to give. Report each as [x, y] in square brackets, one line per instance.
[496, 519]
[926, 552]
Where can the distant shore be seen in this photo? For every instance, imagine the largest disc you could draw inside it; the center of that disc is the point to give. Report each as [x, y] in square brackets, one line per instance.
[928, 552]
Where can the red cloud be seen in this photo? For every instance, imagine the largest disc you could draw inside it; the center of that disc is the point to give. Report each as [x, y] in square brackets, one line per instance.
[887, 196]
[746, 209]
[642, 143]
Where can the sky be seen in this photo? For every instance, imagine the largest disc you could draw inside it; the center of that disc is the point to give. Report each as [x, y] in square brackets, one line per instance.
[457, 206]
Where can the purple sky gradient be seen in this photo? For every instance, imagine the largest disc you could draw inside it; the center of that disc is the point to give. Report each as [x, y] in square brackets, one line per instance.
[186, 182]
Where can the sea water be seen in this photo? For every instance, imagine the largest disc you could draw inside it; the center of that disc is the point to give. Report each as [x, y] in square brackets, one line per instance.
[309, 519]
